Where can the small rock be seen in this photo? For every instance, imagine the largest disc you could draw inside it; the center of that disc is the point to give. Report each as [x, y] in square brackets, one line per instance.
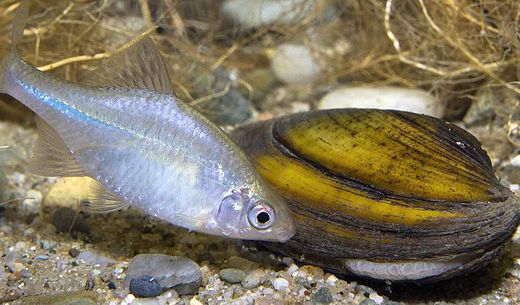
[232, 275]
[145, 286]
[177, 272]
[32, 203]
[376, 298]
[194, 301]
[412, 100]
[25, 273]
[295, 64]
[482, 111]
[292, 269]
[12, 262]
[230, 109]
[111, 285]
[516, 161]
[262, 81]
[239, 263]
[15, 276]
[280, 284]
[74, 252]
[48, 245]
[313, 271]
[41, 257]
[93, 259]
[90, 284]
[331, 280]
[251, 14]
[322, 296]
[288, 261]
[65, 219]
[367, 302]
[253, 279]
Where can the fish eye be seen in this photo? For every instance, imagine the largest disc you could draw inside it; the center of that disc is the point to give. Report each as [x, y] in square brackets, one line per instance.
[261, 216]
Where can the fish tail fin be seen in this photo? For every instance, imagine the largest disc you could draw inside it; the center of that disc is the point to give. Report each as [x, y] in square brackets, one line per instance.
[19, 21]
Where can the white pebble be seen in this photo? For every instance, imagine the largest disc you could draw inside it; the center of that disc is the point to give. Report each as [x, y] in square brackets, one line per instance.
[331, 280]
[194, 301]
[295, 64]
[514, 188]
[516, 161]
[251, 14]
[292, 269]
[376, 298]
[280, 284]
[33, 202]
[412, 100]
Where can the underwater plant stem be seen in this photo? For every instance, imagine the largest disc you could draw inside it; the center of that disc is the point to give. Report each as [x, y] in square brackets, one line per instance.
[83, 58]
[484, 68]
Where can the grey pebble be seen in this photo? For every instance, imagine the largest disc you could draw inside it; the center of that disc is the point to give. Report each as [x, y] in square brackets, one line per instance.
[48, 245]
[93, 258]
[41, 257]
[230, 109]
[145, 286]
[322, 296]
[232, 275]
[177, 272]
[367, 302]
[65, 219]
[253, 279]
[26, 273]
[239, 263]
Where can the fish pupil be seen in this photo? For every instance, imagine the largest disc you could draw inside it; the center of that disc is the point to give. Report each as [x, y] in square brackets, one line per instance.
[263, 217]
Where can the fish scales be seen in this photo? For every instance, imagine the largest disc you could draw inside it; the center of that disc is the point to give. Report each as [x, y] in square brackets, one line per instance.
[147, 148]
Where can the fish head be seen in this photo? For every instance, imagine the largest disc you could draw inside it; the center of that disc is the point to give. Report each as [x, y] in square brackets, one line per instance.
[255, 212]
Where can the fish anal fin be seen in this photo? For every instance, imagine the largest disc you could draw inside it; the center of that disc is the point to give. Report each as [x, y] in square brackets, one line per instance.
[137, 66]
[101, 201]
[51, 156]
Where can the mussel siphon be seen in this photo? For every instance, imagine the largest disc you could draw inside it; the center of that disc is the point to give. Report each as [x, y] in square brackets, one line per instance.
[384, 194]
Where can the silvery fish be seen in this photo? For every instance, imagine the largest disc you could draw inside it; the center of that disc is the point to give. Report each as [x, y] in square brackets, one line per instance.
[124, 127]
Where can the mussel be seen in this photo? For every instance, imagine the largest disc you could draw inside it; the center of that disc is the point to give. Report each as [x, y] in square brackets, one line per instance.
[383, 194]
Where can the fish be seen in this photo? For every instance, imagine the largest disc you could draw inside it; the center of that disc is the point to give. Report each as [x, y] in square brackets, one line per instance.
[383, 194]
[124, 127]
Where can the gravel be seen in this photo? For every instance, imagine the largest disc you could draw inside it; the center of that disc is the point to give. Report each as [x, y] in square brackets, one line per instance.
[118, 239]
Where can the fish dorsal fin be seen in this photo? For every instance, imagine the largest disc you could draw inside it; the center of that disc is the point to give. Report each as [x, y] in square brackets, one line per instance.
[137, 66]
[101, 201]
[51, 157]
[19, 22]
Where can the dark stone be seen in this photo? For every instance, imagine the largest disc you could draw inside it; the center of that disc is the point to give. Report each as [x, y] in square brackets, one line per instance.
[322, 296]
[74, 252]
[111, 285]
[179, 273]
[90, 284]
[65, 219]
[145, 286]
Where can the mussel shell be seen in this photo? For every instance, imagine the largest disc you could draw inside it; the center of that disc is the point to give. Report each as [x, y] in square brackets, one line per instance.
[383, 186]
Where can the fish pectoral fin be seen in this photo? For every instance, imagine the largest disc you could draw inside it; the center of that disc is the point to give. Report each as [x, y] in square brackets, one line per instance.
[101, 201]
[51, 156]
[137, 66]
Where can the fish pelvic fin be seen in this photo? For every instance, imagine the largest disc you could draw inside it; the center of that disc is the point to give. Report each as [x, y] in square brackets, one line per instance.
[101, 201]
[51, 157]
[137, 66]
